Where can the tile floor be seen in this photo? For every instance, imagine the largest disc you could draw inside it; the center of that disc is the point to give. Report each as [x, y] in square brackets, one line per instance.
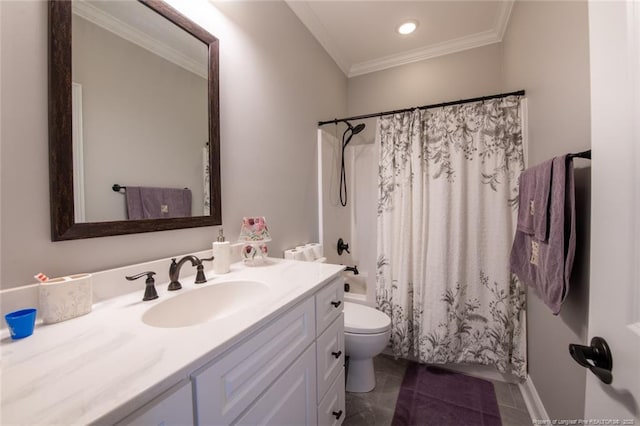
[376, 408]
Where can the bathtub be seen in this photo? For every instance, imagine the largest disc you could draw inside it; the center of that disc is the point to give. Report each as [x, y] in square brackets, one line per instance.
[359, 288]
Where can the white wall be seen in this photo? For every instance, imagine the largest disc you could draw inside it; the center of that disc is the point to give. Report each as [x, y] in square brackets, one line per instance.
[546, 52]
[271, 99]
[466, 74]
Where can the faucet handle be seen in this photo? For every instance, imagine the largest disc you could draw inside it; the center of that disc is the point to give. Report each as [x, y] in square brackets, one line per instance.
[342, 246]
[149, 274]
[200, 277]
[150, 292]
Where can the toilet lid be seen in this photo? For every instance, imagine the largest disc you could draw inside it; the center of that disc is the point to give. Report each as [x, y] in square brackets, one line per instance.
[362, 319]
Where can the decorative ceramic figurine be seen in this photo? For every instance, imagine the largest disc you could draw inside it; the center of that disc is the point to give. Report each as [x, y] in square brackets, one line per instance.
[255, 233]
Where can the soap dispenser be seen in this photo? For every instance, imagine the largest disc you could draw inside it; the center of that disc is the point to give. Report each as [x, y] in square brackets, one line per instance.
[221, 254]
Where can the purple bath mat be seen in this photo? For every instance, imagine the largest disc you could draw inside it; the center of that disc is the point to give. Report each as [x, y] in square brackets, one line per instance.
[438, 397]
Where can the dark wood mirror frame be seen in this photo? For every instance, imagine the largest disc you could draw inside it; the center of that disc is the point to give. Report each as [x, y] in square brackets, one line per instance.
[63, 225]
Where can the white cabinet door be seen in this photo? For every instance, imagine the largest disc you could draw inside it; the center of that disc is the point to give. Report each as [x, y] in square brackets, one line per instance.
[174, 407]
[291, 400]
[329, 304]
[225, 388]
[330, 359]
[332, 408]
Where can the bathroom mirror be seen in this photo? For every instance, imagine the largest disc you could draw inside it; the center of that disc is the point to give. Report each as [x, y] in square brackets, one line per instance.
[133, 101]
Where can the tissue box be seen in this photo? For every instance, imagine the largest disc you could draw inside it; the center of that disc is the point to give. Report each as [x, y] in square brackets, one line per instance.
[65, 298]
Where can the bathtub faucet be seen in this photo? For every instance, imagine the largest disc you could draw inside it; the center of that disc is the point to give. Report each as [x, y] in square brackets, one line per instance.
[353, 269]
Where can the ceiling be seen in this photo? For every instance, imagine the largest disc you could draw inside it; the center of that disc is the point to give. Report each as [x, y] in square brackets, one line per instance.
[361, 36]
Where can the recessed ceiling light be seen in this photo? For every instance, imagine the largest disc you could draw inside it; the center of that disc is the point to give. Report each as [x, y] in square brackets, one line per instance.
[407, 27]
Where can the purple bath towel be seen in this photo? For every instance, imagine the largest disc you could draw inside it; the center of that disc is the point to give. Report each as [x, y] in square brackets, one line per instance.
[545, 264]
[157, 203]
[534, 193]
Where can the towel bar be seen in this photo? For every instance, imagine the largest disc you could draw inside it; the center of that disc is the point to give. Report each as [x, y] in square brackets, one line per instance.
[116, 187]
[584, 154]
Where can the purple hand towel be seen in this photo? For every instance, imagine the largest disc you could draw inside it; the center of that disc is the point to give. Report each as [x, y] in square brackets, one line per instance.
[533, 217]
[157, 203]
[546, 266]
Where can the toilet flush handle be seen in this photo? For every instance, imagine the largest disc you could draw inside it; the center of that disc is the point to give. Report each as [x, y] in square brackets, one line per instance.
[336, 304]
[336, 354]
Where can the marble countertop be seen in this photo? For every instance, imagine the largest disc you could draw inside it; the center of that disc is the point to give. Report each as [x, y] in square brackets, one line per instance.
[103, 365]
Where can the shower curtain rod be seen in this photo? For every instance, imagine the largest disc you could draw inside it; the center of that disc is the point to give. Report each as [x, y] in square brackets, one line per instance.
[444, 104]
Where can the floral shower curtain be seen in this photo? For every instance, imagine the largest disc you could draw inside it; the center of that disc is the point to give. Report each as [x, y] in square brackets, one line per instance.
[206, 179]
[448, 183]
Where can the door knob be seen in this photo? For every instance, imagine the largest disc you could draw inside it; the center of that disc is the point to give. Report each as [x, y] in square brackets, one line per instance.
[596, 358]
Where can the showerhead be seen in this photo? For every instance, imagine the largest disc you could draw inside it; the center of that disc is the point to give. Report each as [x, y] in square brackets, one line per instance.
[357, 129]
[354, 131]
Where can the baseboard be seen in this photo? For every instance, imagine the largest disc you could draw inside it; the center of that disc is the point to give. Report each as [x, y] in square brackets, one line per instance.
[532, 400]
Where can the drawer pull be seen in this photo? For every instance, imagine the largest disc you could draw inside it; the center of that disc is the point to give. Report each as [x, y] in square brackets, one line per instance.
[337, 414]
[336, 354]
[336, 304]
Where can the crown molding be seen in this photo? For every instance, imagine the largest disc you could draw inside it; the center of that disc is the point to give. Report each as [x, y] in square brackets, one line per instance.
[446, 48]
[308, 17]
[314, 25]
[102, 19]
[502, 20]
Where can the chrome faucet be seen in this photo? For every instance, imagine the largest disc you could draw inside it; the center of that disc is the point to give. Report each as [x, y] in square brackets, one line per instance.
[353, 269]
[174, 271]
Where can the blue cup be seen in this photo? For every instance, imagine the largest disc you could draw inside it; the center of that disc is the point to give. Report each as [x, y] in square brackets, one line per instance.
[21, 322]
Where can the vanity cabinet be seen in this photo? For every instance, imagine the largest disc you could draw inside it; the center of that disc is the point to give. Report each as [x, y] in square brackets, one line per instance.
[331, 410]
[229, 385]
[277, 359]
[330, 353]
[291, 400]
[174, 407]
[329, 304]
[282, 373]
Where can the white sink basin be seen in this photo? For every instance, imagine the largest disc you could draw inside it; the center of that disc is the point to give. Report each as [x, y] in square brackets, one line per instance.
[204, 304]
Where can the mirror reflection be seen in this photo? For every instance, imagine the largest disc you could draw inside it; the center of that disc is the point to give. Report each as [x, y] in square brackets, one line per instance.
[140, 115]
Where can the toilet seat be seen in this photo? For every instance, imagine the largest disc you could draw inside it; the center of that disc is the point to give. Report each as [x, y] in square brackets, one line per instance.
[361, 319]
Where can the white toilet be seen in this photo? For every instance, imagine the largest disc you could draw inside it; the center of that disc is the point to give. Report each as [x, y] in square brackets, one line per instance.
[366, 334]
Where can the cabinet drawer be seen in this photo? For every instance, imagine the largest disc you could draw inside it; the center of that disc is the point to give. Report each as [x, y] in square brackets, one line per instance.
[330, 349]
[291, 400]
[329, 304]
[224, 389]
[332, 408]
[174, 407]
